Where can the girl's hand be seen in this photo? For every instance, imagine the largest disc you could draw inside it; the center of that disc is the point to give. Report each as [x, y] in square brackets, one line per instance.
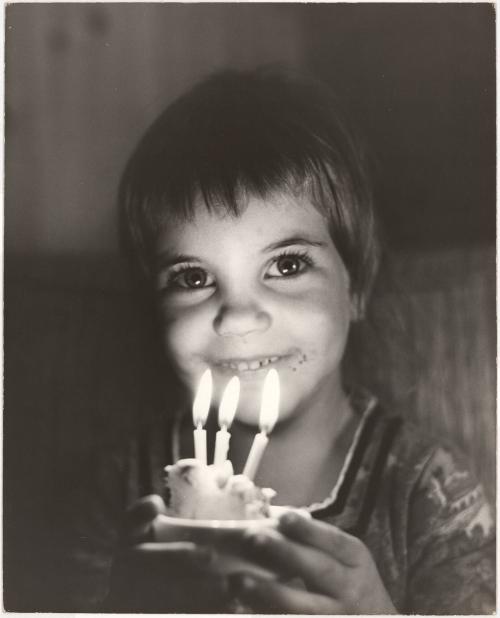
[338, 573]
[162, 577]
[139, 541]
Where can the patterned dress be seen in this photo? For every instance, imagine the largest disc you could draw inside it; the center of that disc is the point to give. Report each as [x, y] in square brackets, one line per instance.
[413, 502]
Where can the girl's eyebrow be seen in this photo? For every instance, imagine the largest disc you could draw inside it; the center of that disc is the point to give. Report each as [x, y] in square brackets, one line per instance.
[294, 240]
[166, 260]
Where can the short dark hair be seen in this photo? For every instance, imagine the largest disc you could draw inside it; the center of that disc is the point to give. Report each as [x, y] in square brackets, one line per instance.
[252, 133]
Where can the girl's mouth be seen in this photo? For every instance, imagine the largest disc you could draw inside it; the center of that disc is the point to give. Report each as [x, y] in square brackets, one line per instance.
[244, 365]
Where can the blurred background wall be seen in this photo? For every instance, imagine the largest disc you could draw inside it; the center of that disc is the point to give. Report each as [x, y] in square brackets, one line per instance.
[83, 81]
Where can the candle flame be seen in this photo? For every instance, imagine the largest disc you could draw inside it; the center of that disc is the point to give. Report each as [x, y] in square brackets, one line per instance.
[201, 404]
[269, 408]
[229, 402]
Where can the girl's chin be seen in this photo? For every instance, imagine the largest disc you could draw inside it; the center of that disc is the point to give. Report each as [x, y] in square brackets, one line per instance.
[249, 404]
[249, 414]
[248, 417]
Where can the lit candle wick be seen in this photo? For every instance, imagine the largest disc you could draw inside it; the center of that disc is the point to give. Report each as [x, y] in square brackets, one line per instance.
[269, 412]
[201, 408]
[227, 410]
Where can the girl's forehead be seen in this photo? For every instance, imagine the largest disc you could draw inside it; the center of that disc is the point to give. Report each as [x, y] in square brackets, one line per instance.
[258, 219]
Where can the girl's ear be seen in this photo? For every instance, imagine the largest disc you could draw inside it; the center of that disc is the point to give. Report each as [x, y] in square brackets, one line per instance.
[356, 300]
[358, 307]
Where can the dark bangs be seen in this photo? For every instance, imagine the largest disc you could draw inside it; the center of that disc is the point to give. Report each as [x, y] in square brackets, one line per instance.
[250, 133]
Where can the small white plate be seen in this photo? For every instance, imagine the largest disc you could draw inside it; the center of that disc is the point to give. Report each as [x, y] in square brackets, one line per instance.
[226, 536]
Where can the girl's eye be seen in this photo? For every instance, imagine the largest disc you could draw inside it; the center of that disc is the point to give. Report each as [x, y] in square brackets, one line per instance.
[288, 265]
[191, 278]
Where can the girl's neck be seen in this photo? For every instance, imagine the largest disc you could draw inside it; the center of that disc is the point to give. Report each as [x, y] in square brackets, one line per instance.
[305, 453]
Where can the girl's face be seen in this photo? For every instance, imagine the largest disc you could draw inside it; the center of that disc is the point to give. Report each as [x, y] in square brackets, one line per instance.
[243, 294]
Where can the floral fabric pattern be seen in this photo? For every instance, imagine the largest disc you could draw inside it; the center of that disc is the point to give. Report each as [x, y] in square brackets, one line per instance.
[413, 502]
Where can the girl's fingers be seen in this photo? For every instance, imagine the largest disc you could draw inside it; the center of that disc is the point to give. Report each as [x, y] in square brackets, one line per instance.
[179, 553]
[181, 547]
[319, 571]
[140, 515]
[342, 546]
[272, 597]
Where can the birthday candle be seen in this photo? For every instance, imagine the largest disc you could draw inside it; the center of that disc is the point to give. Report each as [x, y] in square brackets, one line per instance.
[201, 407]
[269, 411]
[227, 410]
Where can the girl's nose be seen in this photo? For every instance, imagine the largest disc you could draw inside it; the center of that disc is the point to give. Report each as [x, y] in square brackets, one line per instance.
[239, 319]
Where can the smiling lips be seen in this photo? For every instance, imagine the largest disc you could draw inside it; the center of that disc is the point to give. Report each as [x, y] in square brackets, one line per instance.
[248, 365]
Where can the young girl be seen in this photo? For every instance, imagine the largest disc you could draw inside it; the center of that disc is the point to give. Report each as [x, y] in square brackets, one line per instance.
[248, 211]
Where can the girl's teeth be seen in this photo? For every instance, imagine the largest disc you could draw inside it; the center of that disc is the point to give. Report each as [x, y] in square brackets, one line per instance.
[252, 365]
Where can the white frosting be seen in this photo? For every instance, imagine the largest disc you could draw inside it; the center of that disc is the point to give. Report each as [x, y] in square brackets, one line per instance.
[198, 491]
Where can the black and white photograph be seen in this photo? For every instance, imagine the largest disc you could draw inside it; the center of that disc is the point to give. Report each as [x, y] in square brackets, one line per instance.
[250, 308]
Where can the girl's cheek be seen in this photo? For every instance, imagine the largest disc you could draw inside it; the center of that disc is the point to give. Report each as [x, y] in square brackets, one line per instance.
[184, 335]
[169, 309]
[318, 302]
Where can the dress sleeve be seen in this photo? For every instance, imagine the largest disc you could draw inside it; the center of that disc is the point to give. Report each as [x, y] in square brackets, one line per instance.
[90, 526]
[451, 541]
